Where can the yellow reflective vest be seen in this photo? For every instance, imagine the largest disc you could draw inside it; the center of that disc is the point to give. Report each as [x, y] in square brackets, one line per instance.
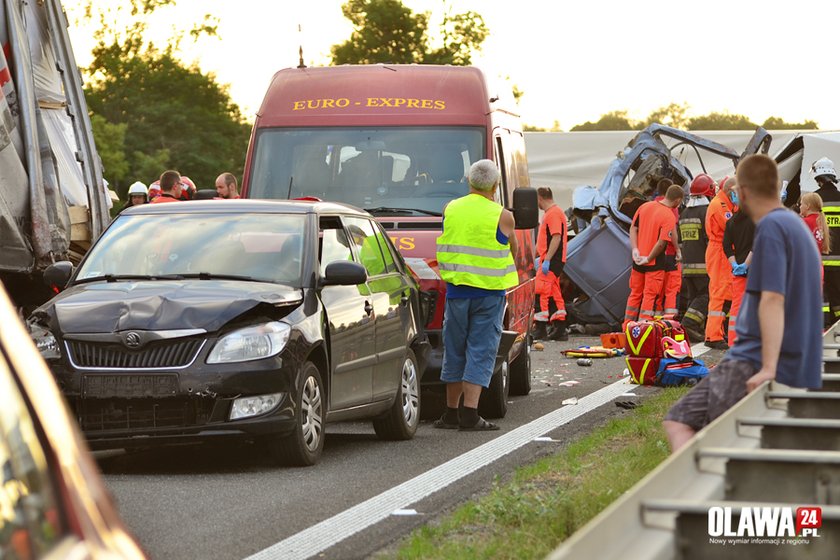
[468, 252]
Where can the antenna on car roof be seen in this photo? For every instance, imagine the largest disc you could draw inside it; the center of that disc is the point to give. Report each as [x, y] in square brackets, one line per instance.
[291, 180]
[300, 50]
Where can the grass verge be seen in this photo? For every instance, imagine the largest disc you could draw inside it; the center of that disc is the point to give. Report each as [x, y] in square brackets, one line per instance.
[546, 502]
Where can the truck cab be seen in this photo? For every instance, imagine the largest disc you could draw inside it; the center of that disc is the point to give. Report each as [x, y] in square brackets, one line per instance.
[398, 141]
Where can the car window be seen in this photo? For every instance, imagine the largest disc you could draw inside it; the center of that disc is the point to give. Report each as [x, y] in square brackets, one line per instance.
[388, 249]
[365, 240]
[31, 523]
[333, 243]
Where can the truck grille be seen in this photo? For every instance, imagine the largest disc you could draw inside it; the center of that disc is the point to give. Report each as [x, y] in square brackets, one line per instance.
[158, 354]
[138, 415]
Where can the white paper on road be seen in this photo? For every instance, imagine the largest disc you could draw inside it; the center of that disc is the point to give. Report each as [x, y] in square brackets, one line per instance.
[572, 400]
[405, 512]
[544, 438]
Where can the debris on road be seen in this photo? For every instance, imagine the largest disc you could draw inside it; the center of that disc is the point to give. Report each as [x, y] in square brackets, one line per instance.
[405, 512]
[539, 346]
[571, 400]
[568, 384]
[584, 362]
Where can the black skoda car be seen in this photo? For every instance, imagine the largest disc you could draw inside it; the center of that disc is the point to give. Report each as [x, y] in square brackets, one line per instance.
[256, 319]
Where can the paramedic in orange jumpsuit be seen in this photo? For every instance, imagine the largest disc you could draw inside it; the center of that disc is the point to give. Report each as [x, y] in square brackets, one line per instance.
[654, 227]
[673, 271]
[720, 210]
[551, 248]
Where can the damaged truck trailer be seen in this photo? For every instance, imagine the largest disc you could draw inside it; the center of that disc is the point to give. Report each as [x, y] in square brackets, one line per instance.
[53, 201]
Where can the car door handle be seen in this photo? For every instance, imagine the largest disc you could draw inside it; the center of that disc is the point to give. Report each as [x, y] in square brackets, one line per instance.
[404, 299]
[368, 308]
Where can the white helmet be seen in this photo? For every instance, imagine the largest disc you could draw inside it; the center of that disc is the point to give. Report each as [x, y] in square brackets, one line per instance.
[823, 166]
[138, 188]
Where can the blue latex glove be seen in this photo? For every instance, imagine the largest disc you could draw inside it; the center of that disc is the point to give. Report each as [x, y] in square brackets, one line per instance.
[734, 266]
[545, 266]
[740, 269]
[537, 263]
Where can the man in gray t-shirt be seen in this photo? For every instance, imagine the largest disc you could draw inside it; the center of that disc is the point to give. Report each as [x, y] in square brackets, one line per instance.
[780, 321]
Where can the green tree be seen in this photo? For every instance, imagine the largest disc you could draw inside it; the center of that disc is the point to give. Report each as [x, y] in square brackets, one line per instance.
[720, 121]
[388, 31]
[673, 114]
[173, 115]
[110, 143]
[614, 120]
[778, 123]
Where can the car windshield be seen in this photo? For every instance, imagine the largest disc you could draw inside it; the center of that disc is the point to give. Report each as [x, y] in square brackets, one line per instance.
[389, 170]
[262, 247]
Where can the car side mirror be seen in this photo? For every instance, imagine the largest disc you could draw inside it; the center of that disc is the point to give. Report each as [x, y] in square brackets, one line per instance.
[345, 273]
[526, 210]
[58, 274]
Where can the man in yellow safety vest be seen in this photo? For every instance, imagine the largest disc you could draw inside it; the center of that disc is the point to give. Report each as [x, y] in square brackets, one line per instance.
[475, 255]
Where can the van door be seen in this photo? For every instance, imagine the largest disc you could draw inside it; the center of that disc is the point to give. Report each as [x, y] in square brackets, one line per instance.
[390, 294]
[350, 322]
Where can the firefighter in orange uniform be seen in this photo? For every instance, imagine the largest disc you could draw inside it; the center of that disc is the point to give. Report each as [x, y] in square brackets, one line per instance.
[718, 267]
[654, 228]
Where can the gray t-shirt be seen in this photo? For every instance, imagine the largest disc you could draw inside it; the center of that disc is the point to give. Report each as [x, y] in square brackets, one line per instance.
[785, 260]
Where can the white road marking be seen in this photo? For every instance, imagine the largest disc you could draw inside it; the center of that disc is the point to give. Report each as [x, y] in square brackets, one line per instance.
[337, 528]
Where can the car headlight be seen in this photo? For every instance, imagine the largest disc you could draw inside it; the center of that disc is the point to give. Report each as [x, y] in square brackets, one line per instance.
[251, 343]
[46, 343]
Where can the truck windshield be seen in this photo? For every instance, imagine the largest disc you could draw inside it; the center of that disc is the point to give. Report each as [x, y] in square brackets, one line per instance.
[415, 170]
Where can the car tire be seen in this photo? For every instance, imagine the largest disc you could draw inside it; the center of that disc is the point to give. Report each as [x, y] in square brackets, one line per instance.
[404, 416]
[493, 402]
[304, 445]
[520, 370]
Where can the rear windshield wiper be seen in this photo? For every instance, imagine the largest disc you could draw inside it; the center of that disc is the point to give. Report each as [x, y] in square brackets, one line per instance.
[390, 210]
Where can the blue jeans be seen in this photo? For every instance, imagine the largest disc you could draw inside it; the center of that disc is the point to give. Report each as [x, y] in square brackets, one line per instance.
[472, 328]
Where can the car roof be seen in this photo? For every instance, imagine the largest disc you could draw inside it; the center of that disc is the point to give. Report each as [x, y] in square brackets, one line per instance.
[244, 206]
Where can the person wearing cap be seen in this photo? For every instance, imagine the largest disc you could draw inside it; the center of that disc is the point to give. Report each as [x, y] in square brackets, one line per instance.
[694, 293]
[137, 194]
[825, 175]
[170, 187]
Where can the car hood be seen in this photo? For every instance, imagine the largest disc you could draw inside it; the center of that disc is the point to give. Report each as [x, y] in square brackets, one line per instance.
[160, 305]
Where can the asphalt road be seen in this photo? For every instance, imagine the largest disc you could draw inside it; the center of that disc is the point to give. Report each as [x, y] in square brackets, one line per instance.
[229, 502]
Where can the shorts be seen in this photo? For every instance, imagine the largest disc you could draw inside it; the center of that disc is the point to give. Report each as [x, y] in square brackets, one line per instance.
[719, 391]
[472, 329]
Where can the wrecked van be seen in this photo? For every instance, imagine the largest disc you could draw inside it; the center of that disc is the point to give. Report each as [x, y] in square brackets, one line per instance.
[398, 141]
[598, 258]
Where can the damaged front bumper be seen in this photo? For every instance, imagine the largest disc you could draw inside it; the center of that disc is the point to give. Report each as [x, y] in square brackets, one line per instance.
[187, 402]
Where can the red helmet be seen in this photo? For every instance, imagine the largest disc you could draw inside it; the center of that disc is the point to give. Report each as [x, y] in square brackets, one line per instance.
[703, 185]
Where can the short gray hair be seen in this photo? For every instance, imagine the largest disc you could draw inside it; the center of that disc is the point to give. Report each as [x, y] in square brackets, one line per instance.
[483, 175]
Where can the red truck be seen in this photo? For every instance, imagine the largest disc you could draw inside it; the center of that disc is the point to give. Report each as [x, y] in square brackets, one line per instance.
[398, 141]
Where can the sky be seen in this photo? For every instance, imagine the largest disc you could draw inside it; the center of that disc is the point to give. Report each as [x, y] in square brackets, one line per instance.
[573, 60]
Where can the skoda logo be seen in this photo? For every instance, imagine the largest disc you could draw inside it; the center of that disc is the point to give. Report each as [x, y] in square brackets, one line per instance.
[132, 340]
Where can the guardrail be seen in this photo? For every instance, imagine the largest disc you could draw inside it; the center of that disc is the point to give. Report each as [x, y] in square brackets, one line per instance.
[777, 450]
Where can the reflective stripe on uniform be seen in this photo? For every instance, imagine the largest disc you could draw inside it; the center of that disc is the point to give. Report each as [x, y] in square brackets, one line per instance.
[717, 314]
[830, 260]
[695, 316]
[475, 251]
[832, 216]
[495, 272]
